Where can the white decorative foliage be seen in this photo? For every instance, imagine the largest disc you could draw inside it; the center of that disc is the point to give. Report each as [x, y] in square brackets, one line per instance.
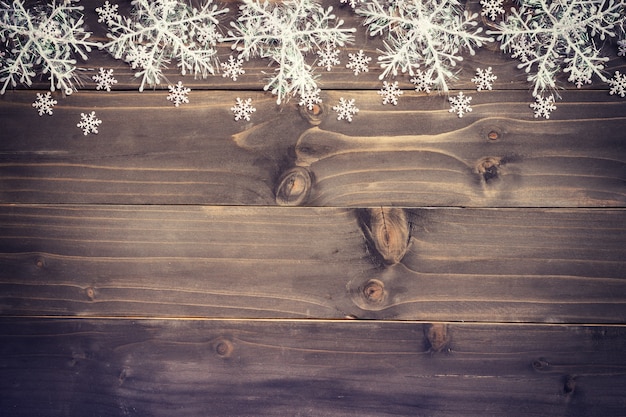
[422, 34]
[484, 79]
[345, 109]
[460, 104]
[328, 56]
[243, 109]
[310, 98]
[618, 84]
[159, 31]
[104, 79]
[390, 92]
[492, 8]
[89, 123]
[44, 103]
[284, 32]
[178, 94]
[233, 68]
[550, 36]
[42, 39]
[543, 106]
[358, 62]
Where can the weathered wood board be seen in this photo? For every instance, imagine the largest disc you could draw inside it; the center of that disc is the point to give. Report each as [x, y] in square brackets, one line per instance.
[476, 265]
[308, 368]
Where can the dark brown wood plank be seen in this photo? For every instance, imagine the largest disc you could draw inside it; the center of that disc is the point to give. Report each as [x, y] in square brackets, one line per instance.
[413, 154]
[190, 368]
[515, 265]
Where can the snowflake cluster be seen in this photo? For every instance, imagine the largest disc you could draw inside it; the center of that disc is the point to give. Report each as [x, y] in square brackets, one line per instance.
[422, 34]
[42, 39]
[159, 31]
[284, 32]
[550, 36]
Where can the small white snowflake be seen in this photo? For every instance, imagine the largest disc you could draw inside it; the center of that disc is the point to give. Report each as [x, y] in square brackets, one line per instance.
[390, 93]
[107, 13]
[484, 79]
[543, 106]
[243, 109]
[233, 68]
[105, 79]
[352, 3]
[178, 94]
[621, 47]
[345, 109]
[358, 62]
[310, 98]
[460, 104]
[44, 103]
[89, 123]
[492, 8]
[328, 56]
[618, 84]
[423, 81]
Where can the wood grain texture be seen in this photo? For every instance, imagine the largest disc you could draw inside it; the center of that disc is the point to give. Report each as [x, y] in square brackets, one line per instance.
[515, 265]
[414, 154]
[352, 368]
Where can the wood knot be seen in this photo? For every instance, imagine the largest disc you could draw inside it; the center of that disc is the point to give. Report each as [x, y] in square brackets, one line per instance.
[90, 293]
[540, 365]
[569, 384]
[437, 338]
[223, 348]
[313, 115]
[488, 168]
[40, 263]
[374, 291]
[387, 231]
[294, 187]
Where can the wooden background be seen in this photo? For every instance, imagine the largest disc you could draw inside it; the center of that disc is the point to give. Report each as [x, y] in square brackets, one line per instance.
[182, 263]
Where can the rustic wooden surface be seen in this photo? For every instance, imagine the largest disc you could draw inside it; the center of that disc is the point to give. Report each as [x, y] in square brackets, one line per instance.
[408, 263]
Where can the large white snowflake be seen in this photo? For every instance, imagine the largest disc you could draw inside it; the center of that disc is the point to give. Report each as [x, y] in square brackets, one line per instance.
[358, 62]
[345, 109]
[550, 36]
[618, 84]
[159, 31]
[233, 68]
[42, 39]
[429, 34]
[492, 8]
[89, 123]
[104, 79]
[284, 32]
[390, 92]
[484, 79]
[460, 104]
[44, 103]
[328, 56]
[243, 109]
[178, 94]
[543, 106]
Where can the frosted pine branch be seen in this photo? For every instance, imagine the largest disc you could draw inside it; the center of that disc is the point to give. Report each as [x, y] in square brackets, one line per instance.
[560, 36]
[164, 30]
[422, 34]
[284, 32]
[44, 39]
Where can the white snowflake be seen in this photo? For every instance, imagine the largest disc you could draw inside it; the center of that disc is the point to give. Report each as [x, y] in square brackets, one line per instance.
[390, 93]
[345, 109]
[44, 103]
[492, 8]
[352, 3]
[107, 12]
[423, 81]
[243, 109]
[621, 47]
[89, 123]
[543, 106]
[42, 39]
[460, 104]
[358, 62]
[284, 32]
[159, 31]
[310, 98]
[178, 94]
[329, 56]
[233, 68]
[550, 36]
[423, 34]
[618, 84]
[484, 79]
[105, 79]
